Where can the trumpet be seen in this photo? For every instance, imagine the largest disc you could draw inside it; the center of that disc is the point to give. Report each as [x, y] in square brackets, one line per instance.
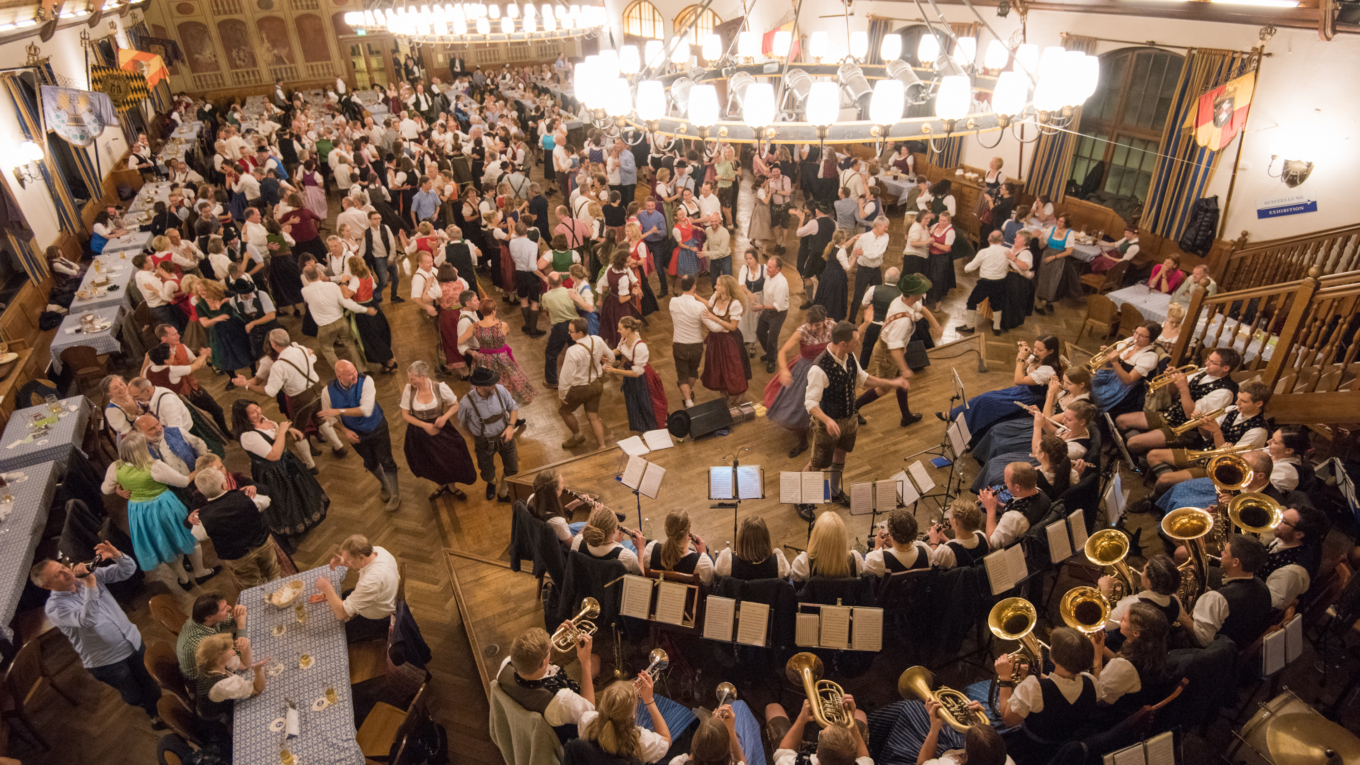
[1169, 376]
[1109, 547]
[569, 635]
[917, 681]
[1014, 619]
[826, 698]
[1084, 609]
[657, 660]
[1189, 526]
[1195, 422]
[1107, 355]
[727, 693]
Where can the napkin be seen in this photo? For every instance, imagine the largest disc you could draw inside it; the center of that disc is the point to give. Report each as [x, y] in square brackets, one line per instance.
[290, 725]
[5, 509]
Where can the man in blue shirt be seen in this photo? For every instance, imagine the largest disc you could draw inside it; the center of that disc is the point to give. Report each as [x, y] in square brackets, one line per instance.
[425, 203]
[653, 224]
[109, 645]
[627, 187]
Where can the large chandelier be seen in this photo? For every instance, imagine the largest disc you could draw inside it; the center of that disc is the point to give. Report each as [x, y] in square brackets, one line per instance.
[479, 22]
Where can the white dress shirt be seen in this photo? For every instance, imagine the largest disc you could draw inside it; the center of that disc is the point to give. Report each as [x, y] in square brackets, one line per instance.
[170, 410]
[1009, 527]
[524, 253]
[584, 363]
[155, 292]
[897, 332]
[293, 372]
[817, 381]
[375, 594]
[327, 304]
[709, 206]
[566, 707]
[687, 319]
[424, 285]
[776, 293]
[256, 234]
[368, 396]
[1286, 583]
[1118, 678]
[1211, 610]
[990, 263]
[875, 564]
[1028, 696]
[871, 249]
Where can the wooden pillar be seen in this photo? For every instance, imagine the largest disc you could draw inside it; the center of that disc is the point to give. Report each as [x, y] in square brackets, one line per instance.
[1284, 347]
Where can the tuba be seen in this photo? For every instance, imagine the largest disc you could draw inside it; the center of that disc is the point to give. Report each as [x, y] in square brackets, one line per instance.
[1014, 619]
[1164, 379]
[1189, 526]
[917, 681]
[566, 638]
[1230, 474]
[1255, 513]
[825, 697]
[1108, 547]
[1084, 609]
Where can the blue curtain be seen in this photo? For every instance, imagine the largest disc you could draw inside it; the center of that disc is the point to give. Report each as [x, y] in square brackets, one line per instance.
[23, 243]
[88, 172]
[28, 112]
[951, 151]
[1184, 168]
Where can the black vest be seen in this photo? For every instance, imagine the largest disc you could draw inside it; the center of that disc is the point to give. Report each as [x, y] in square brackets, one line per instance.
[892, 564]
[1278, 559]
[685, 565]
[1234, 426]
[964, 556]
[459, 255]
[748, 572]
[235, 525]
[1199, 388]
[1172, 609]
[1033, 507]
[1060, 718]
[386, 234]
[536, 695]
[579, 751]
[1248, 610]
[838, 400]
[817, 243]
[881, 300]
[216, 711]
[613, 554]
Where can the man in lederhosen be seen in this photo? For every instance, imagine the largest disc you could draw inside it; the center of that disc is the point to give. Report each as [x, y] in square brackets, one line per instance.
[491, 415]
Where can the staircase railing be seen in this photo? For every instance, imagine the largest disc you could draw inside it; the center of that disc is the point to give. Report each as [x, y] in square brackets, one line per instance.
[1258, 264]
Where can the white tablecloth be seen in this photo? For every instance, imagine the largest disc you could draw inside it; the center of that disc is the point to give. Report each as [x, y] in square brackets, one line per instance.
[892, 186]
[1150, 303]
[1235, 336]
[102, 342]
[1085, 252]
[118, 271]
[131, 243]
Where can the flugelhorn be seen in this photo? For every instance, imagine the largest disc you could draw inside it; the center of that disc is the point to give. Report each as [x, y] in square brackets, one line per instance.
[1104, 357]
[1202, 456]
[657, 660]
[1084, 609]
[727, 693]
[918, 682]
[826, 698]
[1014, 619]
[569, 635]
[1109, 547]
[1166, 378]
[1255, 513]
[1189, 526]
[1197, 420]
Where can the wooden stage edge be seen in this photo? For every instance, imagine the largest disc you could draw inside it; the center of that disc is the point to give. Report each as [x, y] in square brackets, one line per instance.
[498, 604]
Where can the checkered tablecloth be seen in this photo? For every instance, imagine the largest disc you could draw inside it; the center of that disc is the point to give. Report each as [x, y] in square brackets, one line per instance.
[118, 271]
[31, 489]
[326, 736]
[131, 243]
[53, 446]
[1152, 304]
[102, 342]
[1085, 252]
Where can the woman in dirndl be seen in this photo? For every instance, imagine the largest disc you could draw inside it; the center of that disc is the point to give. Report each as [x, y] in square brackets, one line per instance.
[835, 283]
[726, 367]
[752, 277]
[1033, 370]
[586, 306]
[640, 261]
[1120, 386]
[617, 288]
[285, 278]
[784, 393]
[687, 243]
[1057, 277]
[434, 448]
[495, 354]
[227, 334]
[940, 262]
[372, 332]
[314, 189]
[297, 501]
[644, 395]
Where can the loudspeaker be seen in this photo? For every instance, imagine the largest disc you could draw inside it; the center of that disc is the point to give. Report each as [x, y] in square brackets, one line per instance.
[699, 420]
[916, 356]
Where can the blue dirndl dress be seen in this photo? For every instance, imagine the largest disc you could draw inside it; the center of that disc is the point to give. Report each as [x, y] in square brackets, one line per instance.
[996, 406]
[688, 264]
[1112, 395]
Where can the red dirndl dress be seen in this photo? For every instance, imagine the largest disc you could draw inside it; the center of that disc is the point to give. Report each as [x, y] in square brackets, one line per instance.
[726, 366]
[645, 396]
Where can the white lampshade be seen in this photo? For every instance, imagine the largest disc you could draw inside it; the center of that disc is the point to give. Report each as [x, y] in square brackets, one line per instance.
[530, 10]
[891, 49]
[618, 101]
[748, 44]
[655, 54]
[680, 56]
[494, 11]
[1027, 60]
[1074, 61]
[547, 10]
[629, 63]
[823, 103]
[817, 45]
[859, 44]
[609, 63]
[549, 24]
[954, 97]
[757, 110]
[651, 100]
[574, 10]
[1009, 96]
[512, 11]
[712, 48]
[1051, 62]
[354, 19]
[529, 24]
[888, 102]
[783, 40]
[30, 152]
[581, 75]
[1089, 77]
[459, 28]
[997, 55]
[483, 26]
[965, 51]
[507, 25]
[703, 105]
[567, 22]
[928, 49]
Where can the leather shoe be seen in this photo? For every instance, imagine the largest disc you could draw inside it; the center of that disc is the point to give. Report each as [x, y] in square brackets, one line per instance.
[215, 571]
[942, 416]
[911, 419]
[860, 419]
[805, 306]
[490, 492]
[339, 453]
[963, 330]
[504, 500]
[996, 332]
[769, 367]
[841, 498]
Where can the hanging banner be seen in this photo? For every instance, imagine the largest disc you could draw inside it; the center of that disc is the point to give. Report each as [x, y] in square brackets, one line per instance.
[125, 89]
[148, 64]
[1222, 112]
[78, 116]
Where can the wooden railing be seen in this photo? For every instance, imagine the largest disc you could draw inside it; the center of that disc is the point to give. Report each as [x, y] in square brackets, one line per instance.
[1258, 264]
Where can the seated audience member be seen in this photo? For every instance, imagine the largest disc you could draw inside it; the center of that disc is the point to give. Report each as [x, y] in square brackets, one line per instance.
[1027, 507]
[365, 610]
[836, 745]
[528, 677]
[828, 554]
[219, 687]
[1052, 708]
[211, 615]
[1240, 607]
[1167, 275]
[1137, 674]
[896, 547]
[968, 546]
[681, 551]
[1171, 327]
[1243, 424]
[754, 557]
[1293, 556]
[610, 732]
[1157, 586]
[1115, 252]
[1199, 279]
[603, 539]
[1207, 390]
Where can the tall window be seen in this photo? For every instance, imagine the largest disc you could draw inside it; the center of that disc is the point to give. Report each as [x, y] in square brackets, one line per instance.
[1121, 124]
[703, 26]
[641, 19]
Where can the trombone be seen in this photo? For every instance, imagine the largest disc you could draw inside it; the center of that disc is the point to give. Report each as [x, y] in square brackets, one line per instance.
[1084, 609]
[569, 635]
[1109, 547]
[1106, 355]
[917, 681]
[1196, 421]
[1169, 376]
[826, 698]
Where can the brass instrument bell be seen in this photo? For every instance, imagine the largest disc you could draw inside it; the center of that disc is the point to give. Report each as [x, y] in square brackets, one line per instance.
[568, 636]
[1164, 379]
[1189, 526]
[727, 693]
[1255, 513]
[1109, 547]
[1014, 619]
[1229, 472]
[1084, 609]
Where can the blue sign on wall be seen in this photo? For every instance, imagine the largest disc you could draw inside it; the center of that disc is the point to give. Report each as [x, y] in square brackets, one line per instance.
[1285, 204]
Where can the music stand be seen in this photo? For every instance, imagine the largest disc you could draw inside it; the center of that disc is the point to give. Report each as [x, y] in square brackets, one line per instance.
[638, 476]
[731, 498]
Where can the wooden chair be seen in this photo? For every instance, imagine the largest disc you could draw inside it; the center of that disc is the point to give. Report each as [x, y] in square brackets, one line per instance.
[23, 681]
[1328, 590]
[1129, 320]
[163, 664]
[166, 612]
[1110, 280]
[83, 362]
[180, 720]
[1146, 717]
[1101, 313]
[385, 725]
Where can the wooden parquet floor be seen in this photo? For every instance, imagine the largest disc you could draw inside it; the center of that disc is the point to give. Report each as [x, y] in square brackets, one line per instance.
[423, 534]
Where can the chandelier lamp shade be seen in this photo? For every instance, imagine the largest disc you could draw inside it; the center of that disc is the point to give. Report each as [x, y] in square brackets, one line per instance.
[475, 22]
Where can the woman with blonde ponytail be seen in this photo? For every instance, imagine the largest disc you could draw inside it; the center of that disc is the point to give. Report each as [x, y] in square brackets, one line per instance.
[604, 539]
[611, 729]
[681, 551]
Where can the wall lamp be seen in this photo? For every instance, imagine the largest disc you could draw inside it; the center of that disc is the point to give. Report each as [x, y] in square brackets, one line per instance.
[28, 153]
[1293, 172]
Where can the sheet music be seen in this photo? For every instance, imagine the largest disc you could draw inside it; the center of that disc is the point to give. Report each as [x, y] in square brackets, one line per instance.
[750, 482]
[921, 477]
[1293, 639]
[1161, 749]
[1002, 569]
[962, 422]
[868, 633]
[719, 614]
[658, 439]
[632, 475]
[814, 488]
[790, 488]
[1114, 501]
[805, 628]
[636, 600]
[754, 623]
[1078, 523]
[720, 483]
[861, 498]
[1131, 756]
[633, 446]
[1059, 547]
[651, 480]
[907, 489]
[835, 631]
[957, 442]
[670, 602]
[1272, 653]
[885, 496]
